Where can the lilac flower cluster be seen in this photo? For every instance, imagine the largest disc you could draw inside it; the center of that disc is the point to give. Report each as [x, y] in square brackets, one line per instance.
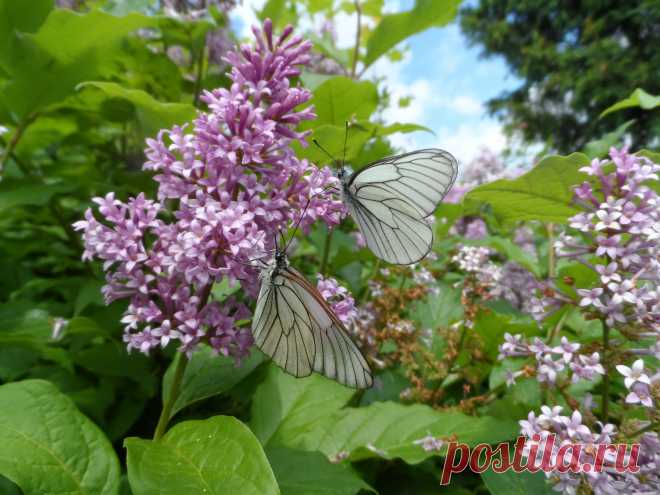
[509, 281]
[551, 361]
[339, 298]
[617, 237]
[227, 186]
[476, 260]
[571, 431]
[639, 383]
[430, 443]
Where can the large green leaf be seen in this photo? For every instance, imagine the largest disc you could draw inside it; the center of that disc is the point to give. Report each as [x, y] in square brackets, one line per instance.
[219, 455]
[150, 114]
[208, 374]
[49, 446]
[638, 98]
[15, 18]
[47, 65]
[389, 430]
[308, 414]
[394, 28]
[284, 406]
[544, 193]
[340, 99]
[512, 483]
[311, 473]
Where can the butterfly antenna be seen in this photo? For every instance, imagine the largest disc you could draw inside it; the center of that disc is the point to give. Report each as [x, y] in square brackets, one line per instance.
[343, 158]
[302, 215]
[318, 145]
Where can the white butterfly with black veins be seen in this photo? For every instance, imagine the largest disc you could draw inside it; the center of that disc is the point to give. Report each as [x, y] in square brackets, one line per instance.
[390, 200]
[296, 327]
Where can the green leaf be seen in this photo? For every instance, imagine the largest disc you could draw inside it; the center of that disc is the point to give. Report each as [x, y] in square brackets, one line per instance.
[208, 374]
[399, 127]
[111, 359]
[49, 446]
[15, 361]
[394, 28]
[284, 406]
[46, 66]
[638, 98]
[340, 99]
[512, 483]
[308, 414]
[318, 477]
[439, 309]
[219, 455]
[14, 19]
[544, 193]
[15, 193]
[492, 325]
[599, 147]
[151, 115]
[272, 10]
[389, 430]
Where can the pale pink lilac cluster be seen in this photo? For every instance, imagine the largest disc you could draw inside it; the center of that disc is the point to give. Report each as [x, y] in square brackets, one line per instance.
[226, 186]
[571, 430]
[551, 361]
[618, 237]
[339, 298]
[430, 443]
[640, 383]
[509, 281]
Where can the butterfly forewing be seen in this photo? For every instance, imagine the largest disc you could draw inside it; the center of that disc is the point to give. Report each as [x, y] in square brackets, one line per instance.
[390, 200]
[295, 326]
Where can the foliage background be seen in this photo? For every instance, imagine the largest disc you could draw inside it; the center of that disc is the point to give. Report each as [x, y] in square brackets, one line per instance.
[81, 89]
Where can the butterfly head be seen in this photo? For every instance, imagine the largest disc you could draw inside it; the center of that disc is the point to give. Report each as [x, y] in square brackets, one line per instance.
[281, 261]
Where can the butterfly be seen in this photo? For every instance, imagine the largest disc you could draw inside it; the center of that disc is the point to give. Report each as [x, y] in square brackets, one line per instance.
[391, 199]
[295, 326]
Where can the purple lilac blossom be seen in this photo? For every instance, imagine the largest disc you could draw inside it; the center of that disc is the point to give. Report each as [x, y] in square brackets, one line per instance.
[572, 430]
[552, 362]
[339, 298]
[618, 226]
[227, 184]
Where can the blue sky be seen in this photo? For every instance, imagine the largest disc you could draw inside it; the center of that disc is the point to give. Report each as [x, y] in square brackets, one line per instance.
[447, 78]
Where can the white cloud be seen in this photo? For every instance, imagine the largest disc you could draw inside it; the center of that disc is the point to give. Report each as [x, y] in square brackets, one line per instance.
[465, 105]
[466, 140]
[245, 13]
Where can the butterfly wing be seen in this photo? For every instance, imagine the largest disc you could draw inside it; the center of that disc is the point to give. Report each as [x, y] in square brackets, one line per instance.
[295, 327]
[390, 200]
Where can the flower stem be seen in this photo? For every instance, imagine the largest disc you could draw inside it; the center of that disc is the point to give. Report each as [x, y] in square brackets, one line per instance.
[606, 376]
[18, 133]
[175, 388]
[550, 228]
[326, 252]
[649, 427]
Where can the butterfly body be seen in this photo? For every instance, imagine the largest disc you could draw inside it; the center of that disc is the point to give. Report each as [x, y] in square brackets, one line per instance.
[295, 326]
[391, 199]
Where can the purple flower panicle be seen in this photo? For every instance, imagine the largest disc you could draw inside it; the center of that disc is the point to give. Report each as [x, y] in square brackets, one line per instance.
[227, 185]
